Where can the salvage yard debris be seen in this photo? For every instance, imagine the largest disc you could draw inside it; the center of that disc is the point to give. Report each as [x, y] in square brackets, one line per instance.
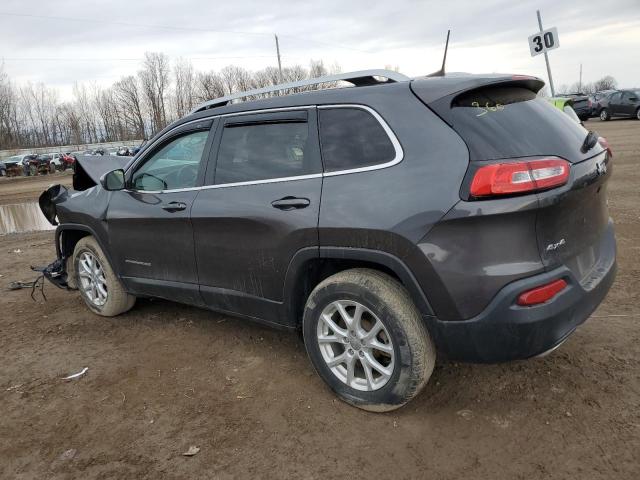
[193, 450]
[76, 375]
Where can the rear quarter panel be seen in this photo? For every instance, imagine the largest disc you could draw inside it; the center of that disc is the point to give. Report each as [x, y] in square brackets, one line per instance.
[391, 209]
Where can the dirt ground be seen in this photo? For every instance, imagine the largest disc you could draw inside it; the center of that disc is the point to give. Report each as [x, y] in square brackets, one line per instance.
[165, 377]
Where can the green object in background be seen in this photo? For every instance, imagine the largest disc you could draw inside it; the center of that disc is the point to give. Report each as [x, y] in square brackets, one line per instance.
[566, 105]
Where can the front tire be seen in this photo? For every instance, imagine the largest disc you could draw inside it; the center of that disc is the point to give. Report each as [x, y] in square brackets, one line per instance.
[605, 116]
[367, 340]
[99, 286]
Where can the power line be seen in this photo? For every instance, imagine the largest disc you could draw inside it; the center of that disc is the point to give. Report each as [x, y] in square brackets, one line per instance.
[139, 59]
[177, 28]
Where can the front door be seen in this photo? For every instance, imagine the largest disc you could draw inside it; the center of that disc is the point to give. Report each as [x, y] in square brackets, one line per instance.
[261, 207]
[149, 227]
[615, 104]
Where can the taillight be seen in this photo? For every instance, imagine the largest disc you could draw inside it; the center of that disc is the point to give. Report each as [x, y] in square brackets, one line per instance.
[541, 294]
[519, 177]
[605, 144]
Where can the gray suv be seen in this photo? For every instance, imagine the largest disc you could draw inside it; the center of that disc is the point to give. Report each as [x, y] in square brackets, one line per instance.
[387, 222]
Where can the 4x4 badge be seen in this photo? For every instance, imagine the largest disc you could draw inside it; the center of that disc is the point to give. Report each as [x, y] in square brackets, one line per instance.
[554, 246]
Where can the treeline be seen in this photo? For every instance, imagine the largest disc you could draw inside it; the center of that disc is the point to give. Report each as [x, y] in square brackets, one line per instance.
[605, 83]
[136, 106]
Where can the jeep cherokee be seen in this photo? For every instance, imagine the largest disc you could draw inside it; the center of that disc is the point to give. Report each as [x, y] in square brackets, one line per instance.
[387, 222]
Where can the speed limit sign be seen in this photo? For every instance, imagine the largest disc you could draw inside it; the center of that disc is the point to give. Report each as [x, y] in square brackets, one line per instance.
[543, 41]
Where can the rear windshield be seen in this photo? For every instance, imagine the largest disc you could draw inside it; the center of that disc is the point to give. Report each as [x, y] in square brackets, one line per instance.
[506, 122]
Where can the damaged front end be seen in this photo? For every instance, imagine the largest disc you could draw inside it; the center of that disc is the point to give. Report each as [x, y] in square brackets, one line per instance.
[77, 212]
[56, 271]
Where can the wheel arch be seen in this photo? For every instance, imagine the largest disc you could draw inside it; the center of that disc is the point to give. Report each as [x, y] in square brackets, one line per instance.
[312, 265]
[69, 234]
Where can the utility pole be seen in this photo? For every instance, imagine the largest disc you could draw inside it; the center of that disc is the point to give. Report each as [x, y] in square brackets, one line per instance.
[546, 57]
[279, 62]
[580, 82]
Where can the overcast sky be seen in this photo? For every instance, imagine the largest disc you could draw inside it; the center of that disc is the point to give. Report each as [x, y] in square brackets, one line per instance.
[66, 41]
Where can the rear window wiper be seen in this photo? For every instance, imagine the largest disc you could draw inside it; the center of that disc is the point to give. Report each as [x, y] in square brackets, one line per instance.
[590, 141]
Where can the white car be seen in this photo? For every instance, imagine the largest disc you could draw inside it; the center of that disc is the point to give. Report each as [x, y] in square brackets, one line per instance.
[56, 159]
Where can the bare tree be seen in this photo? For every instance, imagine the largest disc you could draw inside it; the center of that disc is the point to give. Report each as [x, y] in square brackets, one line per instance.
[184, 92]
[209, 85]
[605, 83]
[132, 108]
[154, 80]
[130, 103]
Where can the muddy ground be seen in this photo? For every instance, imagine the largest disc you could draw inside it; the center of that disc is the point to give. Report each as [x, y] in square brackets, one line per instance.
[27, 189]
[165, 377]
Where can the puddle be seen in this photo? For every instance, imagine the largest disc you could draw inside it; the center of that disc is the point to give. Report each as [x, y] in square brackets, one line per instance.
[22, 217]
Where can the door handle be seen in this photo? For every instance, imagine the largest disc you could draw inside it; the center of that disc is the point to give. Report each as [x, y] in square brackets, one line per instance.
[174, 206]
[291, 203]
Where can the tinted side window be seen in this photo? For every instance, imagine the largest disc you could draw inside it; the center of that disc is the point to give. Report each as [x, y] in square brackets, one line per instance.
[352, 138]
[174, 165]
[263, 151]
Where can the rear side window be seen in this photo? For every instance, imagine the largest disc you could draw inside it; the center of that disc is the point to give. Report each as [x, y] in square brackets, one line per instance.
[509, 121]
[250, 152]
[352, 138]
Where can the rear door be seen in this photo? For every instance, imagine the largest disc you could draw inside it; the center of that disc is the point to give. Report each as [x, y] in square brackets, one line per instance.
[260, 206]
[615, 104]
[149, 227]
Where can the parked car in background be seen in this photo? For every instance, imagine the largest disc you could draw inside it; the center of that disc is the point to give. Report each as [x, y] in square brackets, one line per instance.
[595, 101]
[330, 212]
[623, 104]
[43, 164]
[66, 161]
[123, 152]
[14, 165]
[3, 169]
[581, 105]
[58, 160]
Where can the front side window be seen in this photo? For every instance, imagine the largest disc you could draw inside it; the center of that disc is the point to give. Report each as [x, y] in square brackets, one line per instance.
[263, 151]
[174, 165]
[352, 138]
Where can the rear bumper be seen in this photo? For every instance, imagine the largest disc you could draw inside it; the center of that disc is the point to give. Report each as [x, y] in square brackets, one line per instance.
[506, 331]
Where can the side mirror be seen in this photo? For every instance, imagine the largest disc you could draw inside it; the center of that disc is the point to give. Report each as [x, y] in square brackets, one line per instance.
[113, 180]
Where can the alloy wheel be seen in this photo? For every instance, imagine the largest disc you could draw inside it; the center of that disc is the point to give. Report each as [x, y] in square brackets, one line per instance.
[92, 279]
[355, 345]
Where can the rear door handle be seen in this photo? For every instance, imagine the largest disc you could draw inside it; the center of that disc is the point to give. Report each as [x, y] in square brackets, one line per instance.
[174, 206]
[291, 203]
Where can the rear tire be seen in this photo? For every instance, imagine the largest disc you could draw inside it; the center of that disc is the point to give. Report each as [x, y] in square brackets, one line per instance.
[377, 354]
[99, 286]
[605, 116]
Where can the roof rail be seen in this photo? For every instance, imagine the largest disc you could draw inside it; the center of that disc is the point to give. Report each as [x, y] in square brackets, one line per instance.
[359, 79]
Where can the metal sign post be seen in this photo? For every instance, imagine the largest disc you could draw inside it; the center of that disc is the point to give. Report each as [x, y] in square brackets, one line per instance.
[546, 57]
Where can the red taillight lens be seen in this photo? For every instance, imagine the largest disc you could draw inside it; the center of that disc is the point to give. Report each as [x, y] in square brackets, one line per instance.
[541, 294]
[605, 144]
[519, 177]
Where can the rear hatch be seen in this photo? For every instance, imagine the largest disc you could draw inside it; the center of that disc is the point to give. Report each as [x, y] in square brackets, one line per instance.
[504, 119]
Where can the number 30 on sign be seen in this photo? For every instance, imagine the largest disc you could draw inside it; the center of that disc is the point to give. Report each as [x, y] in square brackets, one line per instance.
[542, 41]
